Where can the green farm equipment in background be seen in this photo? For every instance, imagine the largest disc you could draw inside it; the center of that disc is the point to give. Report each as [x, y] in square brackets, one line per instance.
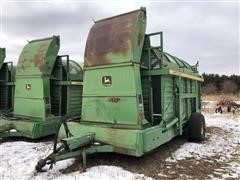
[7, 75]
[136, 97]
[47, 88]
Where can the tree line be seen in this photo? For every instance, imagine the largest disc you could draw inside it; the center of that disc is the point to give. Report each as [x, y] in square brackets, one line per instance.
[215, 84]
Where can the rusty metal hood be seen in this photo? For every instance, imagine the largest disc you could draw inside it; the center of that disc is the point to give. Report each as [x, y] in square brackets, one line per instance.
[117, 39]
[38, 56]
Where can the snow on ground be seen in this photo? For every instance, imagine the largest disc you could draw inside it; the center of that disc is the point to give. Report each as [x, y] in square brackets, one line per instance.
[216, 144]
[18, 160]
[209, 104]
[224, 144]
[104, 172]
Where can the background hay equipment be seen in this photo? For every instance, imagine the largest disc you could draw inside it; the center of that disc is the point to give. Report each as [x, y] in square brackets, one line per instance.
[230, 105]
[48, 87]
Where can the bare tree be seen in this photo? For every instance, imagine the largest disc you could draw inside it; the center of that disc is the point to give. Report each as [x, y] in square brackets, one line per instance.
[210, 88]
[229, 87]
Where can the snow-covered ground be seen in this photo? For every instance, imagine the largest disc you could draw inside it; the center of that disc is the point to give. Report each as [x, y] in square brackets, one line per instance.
[216, 144]
[18, 159]
[223, 142]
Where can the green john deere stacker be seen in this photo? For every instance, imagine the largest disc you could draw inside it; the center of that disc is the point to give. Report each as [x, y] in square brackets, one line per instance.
[135, 96]
[6, 84]
[48, 87]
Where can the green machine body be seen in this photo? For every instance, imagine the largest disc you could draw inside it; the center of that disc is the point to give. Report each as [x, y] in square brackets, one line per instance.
[48, 87]
[7, 76]
[136, 97]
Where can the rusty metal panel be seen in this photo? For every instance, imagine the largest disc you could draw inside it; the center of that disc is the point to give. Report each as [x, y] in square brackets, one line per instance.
[34, 68]
[117, 39]
[38, 56]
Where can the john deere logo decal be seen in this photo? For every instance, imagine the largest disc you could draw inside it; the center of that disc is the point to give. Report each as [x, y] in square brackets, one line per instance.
[107, 80]
[28, 87]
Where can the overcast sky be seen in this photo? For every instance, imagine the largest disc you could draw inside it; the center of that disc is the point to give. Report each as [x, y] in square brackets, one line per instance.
[193, 31]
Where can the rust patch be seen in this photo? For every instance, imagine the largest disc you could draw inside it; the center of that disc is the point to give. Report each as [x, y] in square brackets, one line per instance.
[37, 60]
[140, 38]
[39, 57]
[24, 64]
[110, 36]
[114, 100]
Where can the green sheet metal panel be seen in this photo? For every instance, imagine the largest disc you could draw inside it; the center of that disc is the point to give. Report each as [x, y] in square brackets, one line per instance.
[112, 93]
[102, 103]
[2, 56]
[75, 101]
[66, 88]
[34, 68]
[3, 77]
[6, 83]
[74, 105]
[124, 141]
[38, 57]
[117, 39]
[5, 91]
[146, 89]
[29, 129]
[169, 98]
[30, 92]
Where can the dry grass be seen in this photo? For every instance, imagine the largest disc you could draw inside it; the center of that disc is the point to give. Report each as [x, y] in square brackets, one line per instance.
[219, 97]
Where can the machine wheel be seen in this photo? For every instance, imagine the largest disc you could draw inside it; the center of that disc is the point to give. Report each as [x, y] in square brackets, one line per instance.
[41, 163]
[218, 110]
[196, 127]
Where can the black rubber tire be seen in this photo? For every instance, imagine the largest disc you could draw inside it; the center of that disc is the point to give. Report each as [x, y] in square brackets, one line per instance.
[196, 127]
[218, 110]
[41, 163]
